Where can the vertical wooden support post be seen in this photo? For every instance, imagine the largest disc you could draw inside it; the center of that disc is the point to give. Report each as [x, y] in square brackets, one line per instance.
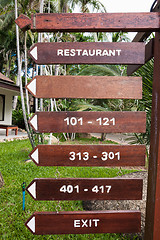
[152, 228]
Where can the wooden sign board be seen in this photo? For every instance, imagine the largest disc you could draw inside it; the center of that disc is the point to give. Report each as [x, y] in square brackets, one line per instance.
[90, 22]
[81, 222]
[95, 87]
[88, 53]
[89, 155]
[85, 189]
[91, 122]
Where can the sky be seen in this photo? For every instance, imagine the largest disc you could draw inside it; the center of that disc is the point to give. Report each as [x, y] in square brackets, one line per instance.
[127, 5]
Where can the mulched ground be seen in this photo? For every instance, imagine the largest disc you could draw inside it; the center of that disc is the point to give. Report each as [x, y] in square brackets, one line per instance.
[125, 204]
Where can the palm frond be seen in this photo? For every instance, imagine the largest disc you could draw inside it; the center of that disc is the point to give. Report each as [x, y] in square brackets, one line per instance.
[100, 70]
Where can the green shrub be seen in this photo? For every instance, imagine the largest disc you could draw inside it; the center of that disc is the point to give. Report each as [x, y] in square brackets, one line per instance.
[17, 118]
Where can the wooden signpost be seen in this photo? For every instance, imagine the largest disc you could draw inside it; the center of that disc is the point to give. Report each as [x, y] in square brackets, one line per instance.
[89, 155]
[85, 189]
[84, 222]
[81, 122]
[100, 87]
[88, 53]
[71, 122]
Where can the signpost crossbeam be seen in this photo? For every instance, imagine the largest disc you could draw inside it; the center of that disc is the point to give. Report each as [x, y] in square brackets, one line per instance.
[90, 22]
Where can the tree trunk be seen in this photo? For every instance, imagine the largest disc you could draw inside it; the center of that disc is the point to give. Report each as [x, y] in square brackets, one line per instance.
[25, 60]
[20, 79]
[1, 180]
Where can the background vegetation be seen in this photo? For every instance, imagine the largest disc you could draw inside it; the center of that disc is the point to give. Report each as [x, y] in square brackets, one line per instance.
[16, 170]
[9, 61]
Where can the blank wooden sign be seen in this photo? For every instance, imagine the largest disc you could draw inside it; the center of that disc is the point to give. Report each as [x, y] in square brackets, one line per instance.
[88, 53]
[90, 22]
[43, 223]
[89, 155]
[72, 122]
[86, 87]
[85, 189]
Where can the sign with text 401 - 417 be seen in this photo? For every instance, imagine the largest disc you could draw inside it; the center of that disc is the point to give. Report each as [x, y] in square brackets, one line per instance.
[85, 189]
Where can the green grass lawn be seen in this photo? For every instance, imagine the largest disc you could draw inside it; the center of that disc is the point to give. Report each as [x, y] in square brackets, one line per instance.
[15, 170]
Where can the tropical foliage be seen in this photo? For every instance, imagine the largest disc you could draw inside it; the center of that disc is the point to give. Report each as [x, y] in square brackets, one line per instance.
[8, 58]
[146, 103]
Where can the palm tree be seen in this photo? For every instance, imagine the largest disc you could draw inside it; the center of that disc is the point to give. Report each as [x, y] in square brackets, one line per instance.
[145, 104]
[88, 5]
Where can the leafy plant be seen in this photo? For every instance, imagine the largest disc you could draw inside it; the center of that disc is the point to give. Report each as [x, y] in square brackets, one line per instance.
[145, 104]
[17, 118]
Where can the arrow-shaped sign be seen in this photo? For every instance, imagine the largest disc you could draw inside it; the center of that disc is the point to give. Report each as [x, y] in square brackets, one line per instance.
[84, 222]
[89, 155]
[86, 87]
[85, 189]
[32, 190]
[31, 224]
[34, 122]
[72, 122]
[88, 53]
[90, 22]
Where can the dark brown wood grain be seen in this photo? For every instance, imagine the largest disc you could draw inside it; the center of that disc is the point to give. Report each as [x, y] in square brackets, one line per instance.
[141, 36]
[106, 222]
[91, 22]
[156, 7]
[87, 189]
[89, 53]
[125, 122]
[152, 227]
[87, 87]
[149, 53]
[90, 155]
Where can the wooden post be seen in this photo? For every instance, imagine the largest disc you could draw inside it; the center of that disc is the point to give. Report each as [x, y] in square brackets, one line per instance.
[152, 227]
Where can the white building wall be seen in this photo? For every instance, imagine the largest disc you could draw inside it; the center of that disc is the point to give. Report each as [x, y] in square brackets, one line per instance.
[8, 105]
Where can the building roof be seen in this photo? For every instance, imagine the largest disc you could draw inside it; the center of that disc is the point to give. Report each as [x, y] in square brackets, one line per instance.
[4, 78]
[7, 83]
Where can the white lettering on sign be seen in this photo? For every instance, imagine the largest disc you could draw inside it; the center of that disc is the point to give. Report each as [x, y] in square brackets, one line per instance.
[81, 156]
[73, 121]
[69, 189]
[102, 121]
[110, 155]
[101, 189]
[88, 52]
[105, 121]
[86, 223]
[95, 189]
[85, 156]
